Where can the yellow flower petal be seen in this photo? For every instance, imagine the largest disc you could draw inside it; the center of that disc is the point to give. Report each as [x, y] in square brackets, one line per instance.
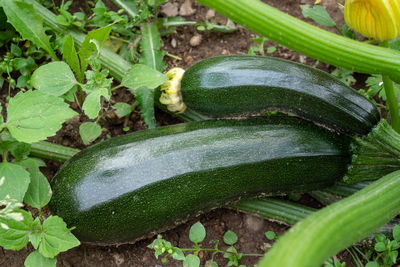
[377, 19]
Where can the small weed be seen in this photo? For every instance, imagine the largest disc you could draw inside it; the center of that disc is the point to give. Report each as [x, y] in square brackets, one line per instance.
[197, 234]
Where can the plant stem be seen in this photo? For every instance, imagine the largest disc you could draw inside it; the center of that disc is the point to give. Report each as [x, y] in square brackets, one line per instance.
[307, 39]
[52, 151]
[5, 152]
[335, 227]
[220, 251]
[375, 154]
[391, 98]
[117, 87]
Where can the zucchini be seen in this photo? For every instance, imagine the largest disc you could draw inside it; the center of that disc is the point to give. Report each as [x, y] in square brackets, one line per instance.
[125, 188]
[229, 86]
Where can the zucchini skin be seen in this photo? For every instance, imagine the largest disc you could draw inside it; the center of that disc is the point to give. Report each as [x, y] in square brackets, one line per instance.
[125, 188]
[228, 86]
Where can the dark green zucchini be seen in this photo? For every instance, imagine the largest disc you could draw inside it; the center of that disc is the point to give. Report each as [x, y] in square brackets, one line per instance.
[229, 86]
[122, 189]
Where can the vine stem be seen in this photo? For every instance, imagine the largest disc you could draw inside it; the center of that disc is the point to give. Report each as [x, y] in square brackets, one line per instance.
[337, 226]
[391, 98]
[220, 251]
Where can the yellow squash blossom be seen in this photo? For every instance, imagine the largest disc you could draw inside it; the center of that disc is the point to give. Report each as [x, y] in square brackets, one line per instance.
[376, 19]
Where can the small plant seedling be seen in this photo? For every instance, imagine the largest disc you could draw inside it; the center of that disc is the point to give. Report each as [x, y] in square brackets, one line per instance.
[375, 87]
[344, 75]
[333, 262]
[197, 234]
[254, 50]
[271, 235]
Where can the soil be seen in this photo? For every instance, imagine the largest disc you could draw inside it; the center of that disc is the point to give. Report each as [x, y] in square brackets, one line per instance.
[249, 228]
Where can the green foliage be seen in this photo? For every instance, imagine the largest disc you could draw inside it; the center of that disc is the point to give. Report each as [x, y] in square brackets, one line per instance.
[55, 78]
[142, 75]
[34, 116]
[39, 191]
[270, 235]
[14, 180]
[26, 21]
[385, 251]
[335, 263]
[89, 131]
[197, 234]
[145, 99]
[67, 19]
[230, 238]
[344, 75]
[151, 53]
[93, 40]
[375, 87]
[254, 50]
[56, 237]
[35, 259]
[318, 14]
[122, 109]
[70, 55]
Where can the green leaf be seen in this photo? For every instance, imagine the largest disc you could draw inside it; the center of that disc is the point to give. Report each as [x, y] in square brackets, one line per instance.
[70, 95]
[380, 246]
[177, 254]
[35, 236]
[28, 23]
[380, 238]
[141, 75]
[92, 104]
[393, 256]
[372, 264]
[230, 238]
[318, 14]
[33, 116]
[191, 261]
[197, 233]
[89, 131]
[20, 151]
[145, 98]
[14, 233]
[214, 264]
[348, 32]
[14, 181]
[122, 109]
[395, 44]
[15, 50]
[35, 259]
[396, 233]
[55, 78]
[56, 237]
[270, 235]
[39, 191]
[150, 47]
[87, 47]
[70, 55]
[271, 49]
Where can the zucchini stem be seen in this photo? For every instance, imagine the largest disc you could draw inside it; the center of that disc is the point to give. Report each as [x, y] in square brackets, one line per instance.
[391, 102]
[391, 97]
[375, 154]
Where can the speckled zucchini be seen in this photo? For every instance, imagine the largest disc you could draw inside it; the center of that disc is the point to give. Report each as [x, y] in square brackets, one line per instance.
[229, 86]
[125, 188]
